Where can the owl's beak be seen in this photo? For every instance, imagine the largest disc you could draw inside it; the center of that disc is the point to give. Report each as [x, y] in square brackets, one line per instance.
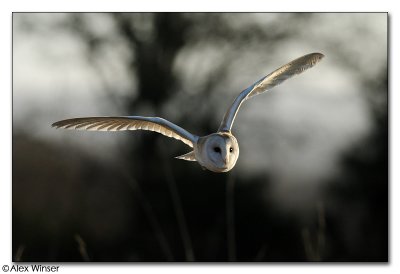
[226, 159]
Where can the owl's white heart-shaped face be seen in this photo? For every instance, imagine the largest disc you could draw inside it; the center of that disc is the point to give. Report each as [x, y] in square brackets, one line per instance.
[218, 152]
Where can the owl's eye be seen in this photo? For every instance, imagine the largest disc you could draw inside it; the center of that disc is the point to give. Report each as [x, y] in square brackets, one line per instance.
[217, 149]
[231, 149]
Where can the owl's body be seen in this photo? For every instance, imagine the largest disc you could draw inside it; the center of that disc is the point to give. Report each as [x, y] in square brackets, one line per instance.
[217, 152]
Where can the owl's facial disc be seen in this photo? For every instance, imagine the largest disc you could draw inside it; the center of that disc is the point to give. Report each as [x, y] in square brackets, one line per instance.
[221, 151]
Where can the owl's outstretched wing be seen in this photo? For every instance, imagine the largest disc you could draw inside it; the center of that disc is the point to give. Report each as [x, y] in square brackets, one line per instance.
[266, 83]
[156, 124]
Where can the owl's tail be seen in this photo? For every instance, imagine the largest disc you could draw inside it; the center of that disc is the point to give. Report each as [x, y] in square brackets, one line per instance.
[187, 157]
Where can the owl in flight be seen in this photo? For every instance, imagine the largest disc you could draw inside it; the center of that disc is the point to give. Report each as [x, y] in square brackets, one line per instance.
[218, 151]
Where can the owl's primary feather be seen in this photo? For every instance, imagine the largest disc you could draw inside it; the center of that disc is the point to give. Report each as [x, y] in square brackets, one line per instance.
[218, 151]
[266, 83]
[120, 123]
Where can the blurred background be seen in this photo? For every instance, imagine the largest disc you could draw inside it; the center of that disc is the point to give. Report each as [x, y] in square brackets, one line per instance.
[311, 182]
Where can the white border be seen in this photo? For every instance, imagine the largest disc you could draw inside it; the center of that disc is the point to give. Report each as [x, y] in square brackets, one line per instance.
[6, 9]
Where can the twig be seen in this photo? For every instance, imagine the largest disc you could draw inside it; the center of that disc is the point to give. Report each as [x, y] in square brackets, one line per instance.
[18, 253]
[321, 228]
[311, 254]
[152, 218]
[314, 252]
[145, 204]
[187, 243]
[82, 248]
[230, 217]
[261, 254]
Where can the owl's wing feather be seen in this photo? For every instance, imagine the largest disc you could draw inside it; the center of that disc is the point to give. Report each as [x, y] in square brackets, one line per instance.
[266, 83]
[120, 123]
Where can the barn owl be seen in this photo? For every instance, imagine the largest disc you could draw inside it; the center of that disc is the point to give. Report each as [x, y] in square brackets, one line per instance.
[217, 152]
